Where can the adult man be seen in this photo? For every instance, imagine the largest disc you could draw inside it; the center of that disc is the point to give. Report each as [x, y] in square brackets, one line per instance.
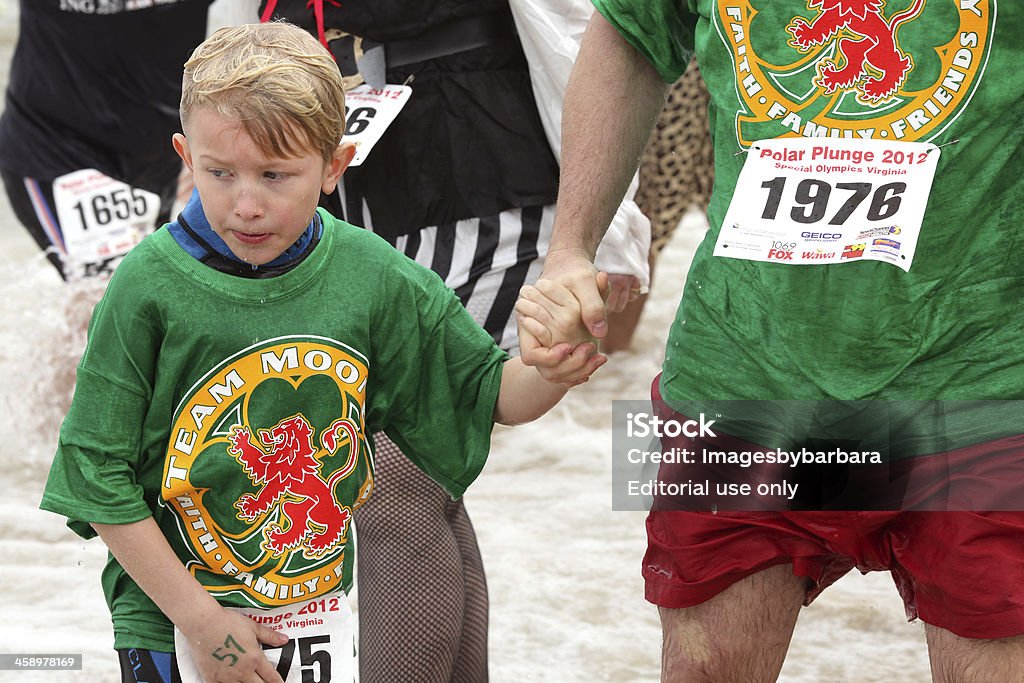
[882, 322]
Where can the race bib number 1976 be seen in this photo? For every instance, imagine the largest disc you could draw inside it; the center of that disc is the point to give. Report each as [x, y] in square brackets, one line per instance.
[802, 201]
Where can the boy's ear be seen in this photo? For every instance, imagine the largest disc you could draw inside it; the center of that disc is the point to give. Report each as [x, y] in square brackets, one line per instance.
[340, 160]
[180, 144]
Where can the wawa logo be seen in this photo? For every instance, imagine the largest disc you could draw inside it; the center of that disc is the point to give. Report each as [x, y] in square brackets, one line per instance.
[855, 68]
[267, 459]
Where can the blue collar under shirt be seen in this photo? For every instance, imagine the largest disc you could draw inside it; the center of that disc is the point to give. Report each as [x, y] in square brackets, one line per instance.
[195, 235]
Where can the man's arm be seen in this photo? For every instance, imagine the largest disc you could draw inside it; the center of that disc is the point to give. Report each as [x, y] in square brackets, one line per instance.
[612, 101]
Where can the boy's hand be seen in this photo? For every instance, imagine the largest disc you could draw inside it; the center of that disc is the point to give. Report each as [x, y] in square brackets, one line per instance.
[576, 367]
[552, 335]
[225, 647]
[574, 269]
[551, 313]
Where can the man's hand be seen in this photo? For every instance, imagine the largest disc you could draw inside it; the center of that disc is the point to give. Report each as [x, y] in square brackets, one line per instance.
[552, 334]
[574, 270]
[541, 346]
[550, 312]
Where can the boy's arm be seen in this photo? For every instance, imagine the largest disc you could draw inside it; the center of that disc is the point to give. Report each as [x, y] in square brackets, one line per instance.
[225, 644]
[525, 395]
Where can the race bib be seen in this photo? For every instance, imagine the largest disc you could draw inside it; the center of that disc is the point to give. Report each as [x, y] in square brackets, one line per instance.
[802, 201]
[100, 218]
[369, 112]
[320, 647]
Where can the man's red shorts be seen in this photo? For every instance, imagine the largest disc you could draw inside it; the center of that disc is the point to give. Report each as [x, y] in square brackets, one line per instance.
[961, 571]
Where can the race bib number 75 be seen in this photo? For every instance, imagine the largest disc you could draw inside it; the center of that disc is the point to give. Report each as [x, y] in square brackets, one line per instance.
[801, 201]
[320, 647]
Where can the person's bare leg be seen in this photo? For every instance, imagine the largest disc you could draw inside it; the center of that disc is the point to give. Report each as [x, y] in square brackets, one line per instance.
[622, 325]
[739, 636]
[967, 660]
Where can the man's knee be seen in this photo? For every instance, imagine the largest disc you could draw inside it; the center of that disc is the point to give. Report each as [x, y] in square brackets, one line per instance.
[741, 634]
[955, 659]
[686, 651]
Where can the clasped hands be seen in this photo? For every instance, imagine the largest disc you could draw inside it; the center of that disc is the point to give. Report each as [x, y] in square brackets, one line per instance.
[562, 317]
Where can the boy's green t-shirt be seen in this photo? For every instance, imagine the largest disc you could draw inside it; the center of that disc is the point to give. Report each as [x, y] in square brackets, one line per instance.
[948, 329]
[239, 413]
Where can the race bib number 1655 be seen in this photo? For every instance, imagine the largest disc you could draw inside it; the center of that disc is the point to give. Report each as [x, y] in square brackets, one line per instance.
[101, 219]
[802, 201]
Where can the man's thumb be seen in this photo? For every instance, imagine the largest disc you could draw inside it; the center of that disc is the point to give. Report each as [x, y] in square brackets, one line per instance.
[593, 311]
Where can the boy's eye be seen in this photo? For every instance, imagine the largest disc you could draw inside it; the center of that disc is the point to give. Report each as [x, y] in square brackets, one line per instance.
[273, 175]
[218, 172]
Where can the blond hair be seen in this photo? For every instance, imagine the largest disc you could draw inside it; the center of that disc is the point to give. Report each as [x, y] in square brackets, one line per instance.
[276, 80]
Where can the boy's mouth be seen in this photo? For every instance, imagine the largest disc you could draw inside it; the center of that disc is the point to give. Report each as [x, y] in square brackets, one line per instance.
[250, 238]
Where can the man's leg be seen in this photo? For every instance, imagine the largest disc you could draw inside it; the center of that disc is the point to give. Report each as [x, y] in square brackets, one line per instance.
[959, 572]
[739, 636]
[970, 660]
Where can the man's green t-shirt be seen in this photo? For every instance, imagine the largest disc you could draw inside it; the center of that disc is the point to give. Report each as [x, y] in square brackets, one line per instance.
[950, 328]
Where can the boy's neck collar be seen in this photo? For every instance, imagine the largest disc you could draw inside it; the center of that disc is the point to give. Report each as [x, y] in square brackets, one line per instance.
[194, 233]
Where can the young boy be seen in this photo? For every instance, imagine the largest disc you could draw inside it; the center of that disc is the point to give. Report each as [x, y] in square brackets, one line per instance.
[241, 357]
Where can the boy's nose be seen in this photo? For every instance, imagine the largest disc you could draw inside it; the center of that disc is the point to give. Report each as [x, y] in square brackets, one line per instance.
[248, 205]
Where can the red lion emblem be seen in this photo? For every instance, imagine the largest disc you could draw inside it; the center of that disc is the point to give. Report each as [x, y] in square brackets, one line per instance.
[289, 470]
[876, 47]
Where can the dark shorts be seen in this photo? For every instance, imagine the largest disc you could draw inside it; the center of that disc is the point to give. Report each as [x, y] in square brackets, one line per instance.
[148, 666]
[960, 570]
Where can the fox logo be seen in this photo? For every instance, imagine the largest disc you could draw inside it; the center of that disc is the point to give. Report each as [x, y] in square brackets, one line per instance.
[284, 461]
[872, 61]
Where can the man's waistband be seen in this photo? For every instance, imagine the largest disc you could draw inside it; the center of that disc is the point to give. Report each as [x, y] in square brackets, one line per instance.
[357, 55]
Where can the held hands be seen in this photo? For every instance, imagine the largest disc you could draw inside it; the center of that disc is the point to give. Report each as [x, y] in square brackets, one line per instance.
[225, 647]
[574, 269]
[552, 334]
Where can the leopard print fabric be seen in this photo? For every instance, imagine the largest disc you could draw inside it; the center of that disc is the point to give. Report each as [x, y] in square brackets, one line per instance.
[677, 166]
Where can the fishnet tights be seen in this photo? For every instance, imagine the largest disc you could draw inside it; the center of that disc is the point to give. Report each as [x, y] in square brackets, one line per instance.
[421, 583]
